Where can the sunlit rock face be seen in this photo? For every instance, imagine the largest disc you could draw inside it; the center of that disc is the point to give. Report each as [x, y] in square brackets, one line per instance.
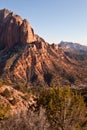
[13, 29]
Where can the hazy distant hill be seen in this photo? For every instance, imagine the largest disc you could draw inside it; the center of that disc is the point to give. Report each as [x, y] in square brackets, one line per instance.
[75, 51]
[73, 47]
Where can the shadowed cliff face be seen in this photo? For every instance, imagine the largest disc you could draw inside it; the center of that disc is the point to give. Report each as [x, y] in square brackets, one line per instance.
[14, 29]
[37, 63]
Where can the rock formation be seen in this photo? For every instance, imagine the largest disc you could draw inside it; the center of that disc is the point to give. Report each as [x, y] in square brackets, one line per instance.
[13, 29]
[37, 63]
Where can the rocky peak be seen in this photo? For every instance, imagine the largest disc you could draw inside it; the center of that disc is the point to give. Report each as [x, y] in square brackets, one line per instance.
[13, 29]
[3, 14]
[39, 39]
[27, 32]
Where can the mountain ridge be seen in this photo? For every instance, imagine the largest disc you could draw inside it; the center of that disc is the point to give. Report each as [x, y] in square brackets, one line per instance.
[74, 47]
[36, 62]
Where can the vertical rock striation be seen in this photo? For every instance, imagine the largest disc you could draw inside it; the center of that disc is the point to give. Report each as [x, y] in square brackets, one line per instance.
[13, 29]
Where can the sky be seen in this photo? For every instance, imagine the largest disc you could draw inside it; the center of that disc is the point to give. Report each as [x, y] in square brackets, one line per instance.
[53, 20]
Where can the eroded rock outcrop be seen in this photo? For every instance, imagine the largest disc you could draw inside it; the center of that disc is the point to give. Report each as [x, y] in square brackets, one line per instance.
[13, 29]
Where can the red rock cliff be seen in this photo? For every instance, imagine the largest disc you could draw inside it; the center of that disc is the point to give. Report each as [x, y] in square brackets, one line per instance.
[13, 29]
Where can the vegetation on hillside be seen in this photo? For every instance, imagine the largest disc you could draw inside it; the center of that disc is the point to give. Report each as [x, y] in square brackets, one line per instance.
[65, 109]
[4, 110]
[57, 108]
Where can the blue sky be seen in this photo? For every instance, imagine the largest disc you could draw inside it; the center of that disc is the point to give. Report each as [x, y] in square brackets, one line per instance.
[54, 20]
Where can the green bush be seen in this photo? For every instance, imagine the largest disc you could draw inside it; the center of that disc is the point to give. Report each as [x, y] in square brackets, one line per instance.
[4, 109]
[65, 109]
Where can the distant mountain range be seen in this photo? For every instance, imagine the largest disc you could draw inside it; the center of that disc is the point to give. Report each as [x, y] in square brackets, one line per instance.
[75, 51]
[73, 47]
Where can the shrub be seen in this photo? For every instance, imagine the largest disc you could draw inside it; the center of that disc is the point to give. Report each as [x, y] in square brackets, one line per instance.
[4, 109]
[65, 109]
[22, 87]
[1, 83]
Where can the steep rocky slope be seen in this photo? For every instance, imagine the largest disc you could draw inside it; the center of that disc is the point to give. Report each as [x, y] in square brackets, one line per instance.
[28, 59]
[42, 64]
[13, 29]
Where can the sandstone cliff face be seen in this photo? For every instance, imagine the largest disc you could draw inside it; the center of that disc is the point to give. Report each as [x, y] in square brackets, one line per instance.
[13, 29]
[26, 32]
